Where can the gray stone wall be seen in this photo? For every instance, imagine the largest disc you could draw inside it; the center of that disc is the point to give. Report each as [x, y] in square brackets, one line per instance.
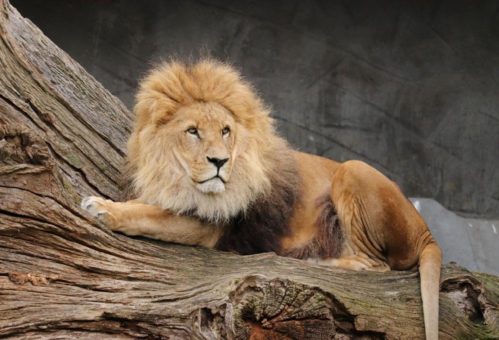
[412, 87]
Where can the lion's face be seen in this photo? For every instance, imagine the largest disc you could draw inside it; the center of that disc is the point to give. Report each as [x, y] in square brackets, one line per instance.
[201, 141]
[204, 144]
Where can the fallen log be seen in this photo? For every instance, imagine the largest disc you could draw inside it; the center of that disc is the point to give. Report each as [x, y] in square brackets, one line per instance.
[62, 137]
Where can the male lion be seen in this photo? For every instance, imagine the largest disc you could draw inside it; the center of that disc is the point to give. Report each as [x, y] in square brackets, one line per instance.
[209, 169]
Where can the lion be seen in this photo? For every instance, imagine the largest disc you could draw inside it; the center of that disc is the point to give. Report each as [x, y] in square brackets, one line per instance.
[209, 169]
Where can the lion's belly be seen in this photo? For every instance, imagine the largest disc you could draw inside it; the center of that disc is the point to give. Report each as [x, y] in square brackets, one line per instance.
[314, 229]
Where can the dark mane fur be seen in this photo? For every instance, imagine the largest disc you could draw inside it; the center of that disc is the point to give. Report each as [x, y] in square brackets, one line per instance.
[266, 221]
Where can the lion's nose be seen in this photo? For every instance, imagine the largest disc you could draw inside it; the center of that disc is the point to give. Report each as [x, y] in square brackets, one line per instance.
[218, 162]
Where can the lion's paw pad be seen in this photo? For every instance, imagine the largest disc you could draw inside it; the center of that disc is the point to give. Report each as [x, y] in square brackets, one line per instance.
[94, 206]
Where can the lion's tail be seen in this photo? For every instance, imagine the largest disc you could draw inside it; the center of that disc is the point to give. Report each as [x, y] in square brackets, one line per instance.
[430, 261]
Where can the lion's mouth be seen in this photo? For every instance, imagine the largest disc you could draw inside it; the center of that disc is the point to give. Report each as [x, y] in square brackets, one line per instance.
[212, 178]
[213, 185]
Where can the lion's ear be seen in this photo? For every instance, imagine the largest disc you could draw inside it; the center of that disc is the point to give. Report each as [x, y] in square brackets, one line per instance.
[153, 107]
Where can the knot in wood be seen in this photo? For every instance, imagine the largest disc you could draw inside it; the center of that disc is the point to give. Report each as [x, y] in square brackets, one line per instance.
[281, 309]
[467, 295]
[20, 146]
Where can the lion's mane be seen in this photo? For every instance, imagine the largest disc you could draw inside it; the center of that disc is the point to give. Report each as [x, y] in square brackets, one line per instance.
[264, 158]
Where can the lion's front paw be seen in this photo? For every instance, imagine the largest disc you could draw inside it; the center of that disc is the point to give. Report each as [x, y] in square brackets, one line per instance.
[101, 209]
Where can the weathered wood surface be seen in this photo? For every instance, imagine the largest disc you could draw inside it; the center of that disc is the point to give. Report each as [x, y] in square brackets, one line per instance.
[62, 136]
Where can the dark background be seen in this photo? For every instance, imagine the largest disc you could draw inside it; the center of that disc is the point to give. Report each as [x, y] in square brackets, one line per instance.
[412, 87]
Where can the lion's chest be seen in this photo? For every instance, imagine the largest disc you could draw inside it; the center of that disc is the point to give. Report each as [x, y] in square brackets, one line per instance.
[264, 224]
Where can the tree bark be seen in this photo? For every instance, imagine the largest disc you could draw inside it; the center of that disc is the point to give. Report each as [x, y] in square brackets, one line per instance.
[62, 137]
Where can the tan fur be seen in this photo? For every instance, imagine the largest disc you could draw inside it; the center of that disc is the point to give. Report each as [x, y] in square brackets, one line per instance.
[350, 206]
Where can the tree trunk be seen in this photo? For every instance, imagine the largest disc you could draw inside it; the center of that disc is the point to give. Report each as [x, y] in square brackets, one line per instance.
[62, 137]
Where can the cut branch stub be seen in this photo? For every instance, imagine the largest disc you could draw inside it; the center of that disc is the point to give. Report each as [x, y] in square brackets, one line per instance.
[281, 309]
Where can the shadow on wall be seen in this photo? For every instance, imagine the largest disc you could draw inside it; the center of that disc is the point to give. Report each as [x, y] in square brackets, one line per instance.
[409, 87]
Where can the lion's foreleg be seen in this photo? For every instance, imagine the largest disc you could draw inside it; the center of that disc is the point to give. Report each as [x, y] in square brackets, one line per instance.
[137, 219]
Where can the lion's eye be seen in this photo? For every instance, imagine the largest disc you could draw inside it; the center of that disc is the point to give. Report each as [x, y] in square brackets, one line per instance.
[193, 131]
[225, 131]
